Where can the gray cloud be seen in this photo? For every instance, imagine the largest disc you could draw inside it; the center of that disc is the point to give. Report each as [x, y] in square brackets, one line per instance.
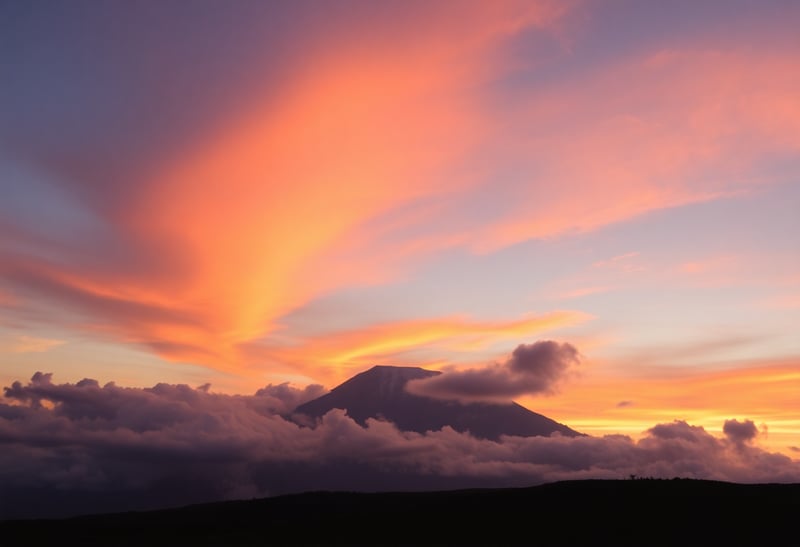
[77, 448]
[532, 369]
[283, 398]
[740, 432]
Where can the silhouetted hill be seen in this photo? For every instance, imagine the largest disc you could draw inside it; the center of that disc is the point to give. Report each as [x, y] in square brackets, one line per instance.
[380, 393]
[630, 512]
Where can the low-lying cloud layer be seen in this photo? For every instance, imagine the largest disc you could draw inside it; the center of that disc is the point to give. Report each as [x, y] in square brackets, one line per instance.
[75, 448]
[532, 369]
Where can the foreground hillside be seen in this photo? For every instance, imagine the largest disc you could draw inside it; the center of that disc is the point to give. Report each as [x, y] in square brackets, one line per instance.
[631, 512]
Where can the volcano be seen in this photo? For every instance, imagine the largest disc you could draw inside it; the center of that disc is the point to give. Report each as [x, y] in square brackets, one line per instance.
[380, 393]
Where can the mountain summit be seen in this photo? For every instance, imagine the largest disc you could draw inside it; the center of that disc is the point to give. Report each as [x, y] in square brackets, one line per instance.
[380, 393]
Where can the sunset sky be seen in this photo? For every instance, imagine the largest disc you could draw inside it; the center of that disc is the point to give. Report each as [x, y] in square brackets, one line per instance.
[249, 193]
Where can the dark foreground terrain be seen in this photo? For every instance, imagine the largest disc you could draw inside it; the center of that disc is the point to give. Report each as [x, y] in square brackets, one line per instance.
[626, 512]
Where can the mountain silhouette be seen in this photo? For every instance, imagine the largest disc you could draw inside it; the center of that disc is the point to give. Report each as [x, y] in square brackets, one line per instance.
[380, 393]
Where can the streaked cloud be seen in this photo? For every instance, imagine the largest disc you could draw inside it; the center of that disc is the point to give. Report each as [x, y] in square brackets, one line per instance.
[350, 350]
[700, 396]
[658, 129]
[231, 228]
[32, 344]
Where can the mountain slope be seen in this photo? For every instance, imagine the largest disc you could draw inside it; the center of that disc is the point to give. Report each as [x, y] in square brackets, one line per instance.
[380, 393]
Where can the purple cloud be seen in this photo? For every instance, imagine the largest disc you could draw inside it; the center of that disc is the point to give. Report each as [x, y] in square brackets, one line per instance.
[283, 398]
[740, 432]
[77, 448]
[532, 369]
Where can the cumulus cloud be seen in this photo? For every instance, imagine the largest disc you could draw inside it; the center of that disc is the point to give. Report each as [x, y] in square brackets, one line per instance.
[80, 448]
[532, 369]
[740, 432]
[284, 398]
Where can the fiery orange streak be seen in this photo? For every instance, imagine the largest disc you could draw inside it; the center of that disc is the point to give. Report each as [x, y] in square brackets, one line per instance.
[763, 392]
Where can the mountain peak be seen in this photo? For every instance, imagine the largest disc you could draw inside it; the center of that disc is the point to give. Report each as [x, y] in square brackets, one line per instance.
[391, 377]
[411, 372]
[380, 393]
[378, 385]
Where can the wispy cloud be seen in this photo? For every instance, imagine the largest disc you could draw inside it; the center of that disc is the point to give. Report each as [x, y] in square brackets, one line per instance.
[650, 145]
[604, 399]
[623, 262]
[349, 163]
[581, 292]
[387, 342]
[233, 228]
[33, 344]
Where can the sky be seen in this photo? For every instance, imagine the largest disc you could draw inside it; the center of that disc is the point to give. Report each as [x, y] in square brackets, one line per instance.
[245, 194]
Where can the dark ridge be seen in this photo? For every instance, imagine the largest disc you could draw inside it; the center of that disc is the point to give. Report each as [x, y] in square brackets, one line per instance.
[380, 393]
[593, 512]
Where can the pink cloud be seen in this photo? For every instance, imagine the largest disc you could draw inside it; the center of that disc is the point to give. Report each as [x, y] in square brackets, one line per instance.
[660, 130]
[211, 242]
[370, 155]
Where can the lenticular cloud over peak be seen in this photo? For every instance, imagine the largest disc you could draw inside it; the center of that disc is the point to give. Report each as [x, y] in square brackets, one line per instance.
[108, 448]
[532, 369]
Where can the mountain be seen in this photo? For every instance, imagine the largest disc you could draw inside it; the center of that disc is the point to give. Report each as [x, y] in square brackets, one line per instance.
[380, 393]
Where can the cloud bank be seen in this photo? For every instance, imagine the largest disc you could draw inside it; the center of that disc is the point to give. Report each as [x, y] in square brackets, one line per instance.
[78, 448]
[532, 369]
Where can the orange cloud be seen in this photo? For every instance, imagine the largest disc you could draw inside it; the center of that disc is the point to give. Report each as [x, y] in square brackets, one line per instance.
[664, 130]
[255, 216]
[6, 299]
[607, 401]
[788, 301]
[341, 352]
[698, 267]
[581, 292]
[600, 277]
[33, 344]
[622, 262]
[358, 162]
[256, 208]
